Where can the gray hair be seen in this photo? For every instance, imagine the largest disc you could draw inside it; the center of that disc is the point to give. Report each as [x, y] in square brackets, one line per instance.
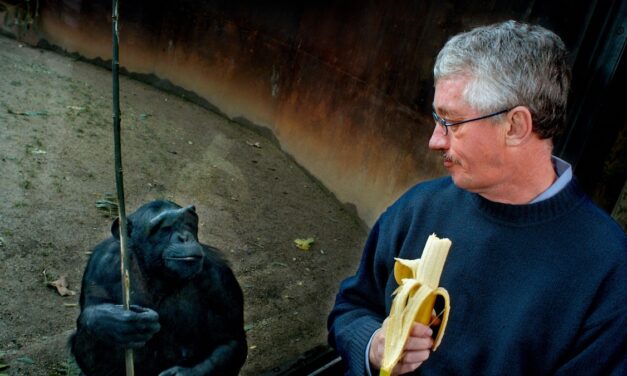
[511, 64]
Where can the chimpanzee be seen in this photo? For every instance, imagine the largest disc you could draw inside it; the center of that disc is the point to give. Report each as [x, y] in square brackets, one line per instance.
[187, 312]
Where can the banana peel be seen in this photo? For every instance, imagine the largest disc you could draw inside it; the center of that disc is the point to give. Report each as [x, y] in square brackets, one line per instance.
[415, 298]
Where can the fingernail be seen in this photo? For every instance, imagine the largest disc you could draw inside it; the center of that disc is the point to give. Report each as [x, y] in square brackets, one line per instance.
[429, 332]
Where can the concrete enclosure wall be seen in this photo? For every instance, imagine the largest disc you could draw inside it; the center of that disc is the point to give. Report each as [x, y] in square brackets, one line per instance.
[345, 86]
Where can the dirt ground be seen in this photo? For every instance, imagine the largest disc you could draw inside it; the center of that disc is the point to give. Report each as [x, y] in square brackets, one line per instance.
[56, 161]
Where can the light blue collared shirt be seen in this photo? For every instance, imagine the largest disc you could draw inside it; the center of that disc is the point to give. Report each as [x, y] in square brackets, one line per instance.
[564, 172]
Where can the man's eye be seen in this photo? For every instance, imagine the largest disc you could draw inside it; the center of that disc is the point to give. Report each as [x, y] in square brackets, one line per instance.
[454, 127]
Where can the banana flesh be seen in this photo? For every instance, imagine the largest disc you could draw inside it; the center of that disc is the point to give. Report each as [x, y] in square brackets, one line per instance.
[414, 299]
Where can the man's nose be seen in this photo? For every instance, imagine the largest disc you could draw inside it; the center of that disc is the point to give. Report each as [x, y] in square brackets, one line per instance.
[439, 140]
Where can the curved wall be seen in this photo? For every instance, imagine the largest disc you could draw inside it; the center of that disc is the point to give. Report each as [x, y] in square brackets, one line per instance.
[345, 86]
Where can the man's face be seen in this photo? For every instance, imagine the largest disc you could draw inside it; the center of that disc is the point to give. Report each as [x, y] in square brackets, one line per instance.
[473, 152]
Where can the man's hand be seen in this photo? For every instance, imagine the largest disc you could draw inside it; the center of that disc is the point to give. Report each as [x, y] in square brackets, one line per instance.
[417, 348]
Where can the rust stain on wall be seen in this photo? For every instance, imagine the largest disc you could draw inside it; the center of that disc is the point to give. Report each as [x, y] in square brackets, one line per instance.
[341, 85]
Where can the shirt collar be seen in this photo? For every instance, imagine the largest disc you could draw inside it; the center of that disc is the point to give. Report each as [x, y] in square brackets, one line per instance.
[564, 173]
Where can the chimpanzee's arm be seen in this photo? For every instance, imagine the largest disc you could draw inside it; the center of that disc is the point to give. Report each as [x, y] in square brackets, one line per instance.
[103, 333]
[102, 313]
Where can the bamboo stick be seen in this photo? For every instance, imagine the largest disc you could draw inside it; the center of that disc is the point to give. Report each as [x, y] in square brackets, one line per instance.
[119, 179]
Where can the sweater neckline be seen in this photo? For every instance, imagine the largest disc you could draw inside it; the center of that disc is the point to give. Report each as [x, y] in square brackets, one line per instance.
[567, 199]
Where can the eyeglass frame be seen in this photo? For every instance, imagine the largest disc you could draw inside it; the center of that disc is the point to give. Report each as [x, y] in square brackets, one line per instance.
[445, 124]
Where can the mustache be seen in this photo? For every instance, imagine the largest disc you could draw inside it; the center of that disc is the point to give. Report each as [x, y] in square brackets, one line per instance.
[449, 158]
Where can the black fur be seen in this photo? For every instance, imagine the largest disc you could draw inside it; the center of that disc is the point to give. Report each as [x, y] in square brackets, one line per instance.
[187, 317]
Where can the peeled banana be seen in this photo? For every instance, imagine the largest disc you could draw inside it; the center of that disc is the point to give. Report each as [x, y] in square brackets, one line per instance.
[414, 299]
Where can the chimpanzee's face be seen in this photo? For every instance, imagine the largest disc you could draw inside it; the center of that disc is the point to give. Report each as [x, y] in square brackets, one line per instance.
[167, 239]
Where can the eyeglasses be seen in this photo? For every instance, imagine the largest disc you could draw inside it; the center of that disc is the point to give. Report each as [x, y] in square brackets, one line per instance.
[445, 124]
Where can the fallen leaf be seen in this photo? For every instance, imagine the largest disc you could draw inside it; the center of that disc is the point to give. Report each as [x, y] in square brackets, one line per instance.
[25, 360]
[62, 286]
[28, 113]
[255, 144]
[108, 205]
[304, 244]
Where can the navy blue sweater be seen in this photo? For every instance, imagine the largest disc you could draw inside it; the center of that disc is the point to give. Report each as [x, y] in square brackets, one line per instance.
[535, 289]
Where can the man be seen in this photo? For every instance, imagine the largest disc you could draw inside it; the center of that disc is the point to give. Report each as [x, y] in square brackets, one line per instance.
[537, 274]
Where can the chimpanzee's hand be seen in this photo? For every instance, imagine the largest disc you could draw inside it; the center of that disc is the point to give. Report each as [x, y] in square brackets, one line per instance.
[111, 323]
[179, 371]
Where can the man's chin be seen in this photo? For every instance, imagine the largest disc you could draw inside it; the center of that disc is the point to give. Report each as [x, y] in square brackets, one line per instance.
[459, 180]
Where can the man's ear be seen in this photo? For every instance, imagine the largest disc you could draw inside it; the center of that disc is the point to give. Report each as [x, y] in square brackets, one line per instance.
[520, 126]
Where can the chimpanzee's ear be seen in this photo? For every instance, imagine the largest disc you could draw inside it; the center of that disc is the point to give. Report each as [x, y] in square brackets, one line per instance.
[192, 209]
[115, 227]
